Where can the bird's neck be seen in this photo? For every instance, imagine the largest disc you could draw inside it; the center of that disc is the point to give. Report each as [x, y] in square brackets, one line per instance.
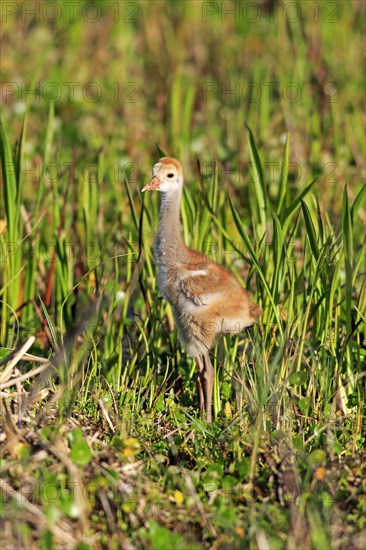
[169, 244]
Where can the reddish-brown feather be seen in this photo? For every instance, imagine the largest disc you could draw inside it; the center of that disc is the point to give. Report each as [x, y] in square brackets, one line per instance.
[206, 299]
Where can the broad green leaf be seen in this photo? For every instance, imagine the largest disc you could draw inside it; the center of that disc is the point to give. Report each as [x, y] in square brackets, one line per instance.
[304, 403]
[317, 457]
[299, 378]
[81, 454]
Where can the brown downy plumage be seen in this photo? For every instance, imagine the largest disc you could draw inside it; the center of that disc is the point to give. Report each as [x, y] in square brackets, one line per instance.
[206, 299]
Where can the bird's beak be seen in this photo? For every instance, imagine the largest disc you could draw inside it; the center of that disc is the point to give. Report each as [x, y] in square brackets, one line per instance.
[153, 184]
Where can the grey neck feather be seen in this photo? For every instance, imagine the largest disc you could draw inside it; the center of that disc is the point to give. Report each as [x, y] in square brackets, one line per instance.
[168, 243]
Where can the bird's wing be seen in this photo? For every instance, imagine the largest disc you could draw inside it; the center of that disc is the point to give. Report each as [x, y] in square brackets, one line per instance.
[201, 286]
[190, 291]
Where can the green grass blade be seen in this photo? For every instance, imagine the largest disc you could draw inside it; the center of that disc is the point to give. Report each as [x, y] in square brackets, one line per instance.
[291, 209]
[49, 322]
[132, 205]
[278, 252]
[187, 113]
[310, 230]
[348, 255]
[10, 185]
[255, 260]
[19, 158]
[161, 152]
[257, 180]
[49, 133]
[11, 243]
[358, 202]
[46, 155]
[282, 186]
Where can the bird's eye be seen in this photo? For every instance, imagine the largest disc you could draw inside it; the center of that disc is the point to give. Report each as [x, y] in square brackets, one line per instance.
[170, 175]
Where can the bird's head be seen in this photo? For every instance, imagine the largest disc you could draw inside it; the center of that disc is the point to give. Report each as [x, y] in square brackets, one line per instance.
[167, 176]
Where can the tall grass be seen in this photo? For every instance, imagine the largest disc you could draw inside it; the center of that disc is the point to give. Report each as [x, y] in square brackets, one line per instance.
[308, 275]
[11, 241]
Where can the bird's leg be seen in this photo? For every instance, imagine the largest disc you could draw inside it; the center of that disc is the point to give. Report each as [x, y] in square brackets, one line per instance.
[208, 379]
[201, 398]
